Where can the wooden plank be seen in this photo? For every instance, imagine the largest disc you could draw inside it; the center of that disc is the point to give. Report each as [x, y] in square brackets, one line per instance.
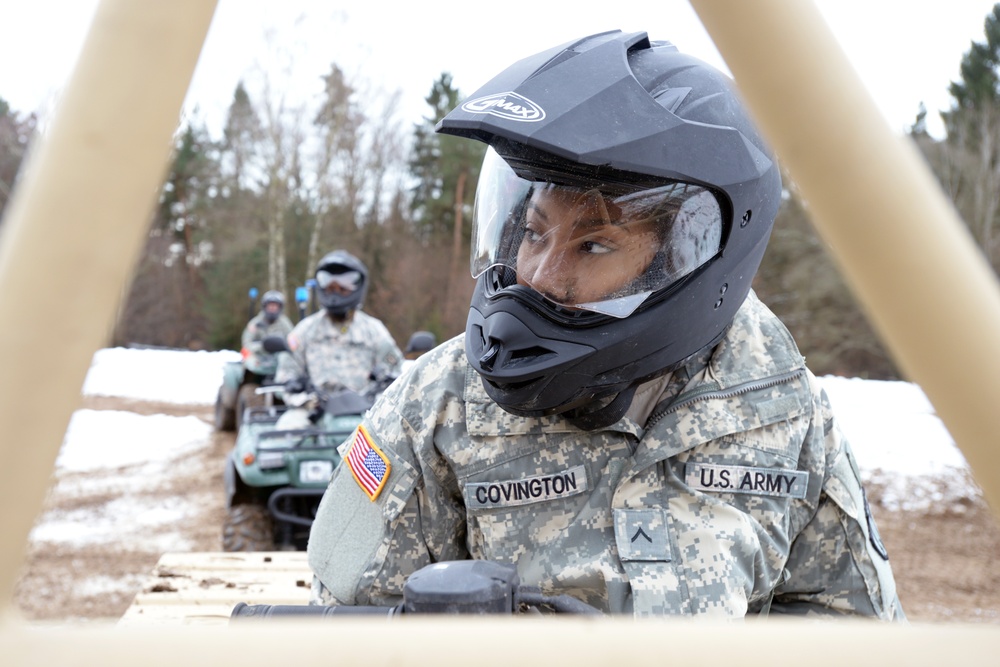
[257, 560]
[203, 588]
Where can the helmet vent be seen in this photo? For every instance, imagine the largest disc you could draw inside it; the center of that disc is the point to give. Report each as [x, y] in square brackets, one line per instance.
[510, 386]
[670, 98]
[530, 354]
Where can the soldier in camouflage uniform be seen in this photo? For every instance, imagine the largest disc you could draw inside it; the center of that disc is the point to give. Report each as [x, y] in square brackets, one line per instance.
[623, 419]
[270, 321]
[339, 346]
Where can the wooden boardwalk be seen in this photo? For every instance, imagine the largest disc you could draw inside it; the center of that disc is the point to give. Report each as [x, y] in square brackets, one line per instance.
[203, 588]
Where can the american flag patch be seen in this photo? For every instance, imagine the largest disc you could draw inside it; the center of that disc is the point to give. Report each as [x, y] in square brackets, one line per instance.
[368, 464]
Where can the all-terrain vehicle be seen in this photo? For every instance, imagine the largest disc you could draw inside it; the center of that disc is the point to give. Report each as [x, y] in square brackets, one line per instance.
[238, 391]
[256, 368]
[275, 477]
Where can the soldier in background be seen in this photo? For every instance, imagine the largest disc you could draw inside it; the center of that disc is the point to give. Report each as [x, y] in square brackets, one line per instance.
[339, 346]
[270, 321]
[623, 419]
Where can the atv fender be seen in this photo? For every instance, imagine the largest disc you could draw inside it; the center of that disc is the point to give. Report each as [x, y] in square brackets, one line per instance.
[236, 491]
[232, 378]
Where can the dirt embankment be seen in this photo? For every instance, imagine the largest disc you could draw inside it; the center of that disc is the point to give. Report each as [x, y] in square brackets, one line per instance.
[946, 564]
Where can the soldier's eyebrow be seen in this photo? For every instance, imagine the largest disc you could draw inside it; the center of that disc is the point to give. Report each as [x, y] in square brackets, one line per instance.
[590, 222]
[536, 209]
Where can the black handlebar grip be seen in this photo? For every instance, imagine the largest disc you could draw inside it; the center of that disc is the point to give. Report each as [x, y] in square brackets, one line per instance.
[267, 611]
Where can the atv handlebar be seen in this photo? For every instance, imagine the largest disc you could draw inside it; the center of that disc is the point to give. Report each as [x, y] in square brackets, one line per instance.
[450, 587]
[242, 610]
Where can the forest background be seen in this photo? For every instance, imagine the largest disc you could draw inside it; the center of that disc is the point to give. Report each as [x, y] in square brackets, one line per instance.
[255, 208]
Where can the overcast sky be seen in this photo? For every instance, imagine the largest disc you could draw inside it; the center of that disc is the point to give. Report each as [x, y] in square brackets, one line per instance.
[907, 51]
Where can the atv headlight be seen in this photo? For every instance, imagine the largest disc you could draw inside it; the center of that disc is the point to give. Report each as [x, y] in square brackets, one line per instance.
[315, 472]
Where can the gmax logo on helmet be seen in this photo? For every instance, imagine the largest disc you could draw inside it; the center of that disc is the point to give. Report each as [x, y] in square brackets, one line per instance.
[506, 105]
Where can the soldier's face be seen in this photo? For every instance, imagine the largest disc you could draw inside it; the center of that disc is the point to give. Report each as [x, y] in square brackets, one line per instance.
[339, 289]
[578, 248]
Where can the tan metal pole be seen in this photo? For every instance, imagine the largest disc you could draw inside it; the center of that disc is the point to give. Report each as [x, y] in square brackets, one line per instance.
[899, 242]
[74, 229]
[447, 641]
[481, 641]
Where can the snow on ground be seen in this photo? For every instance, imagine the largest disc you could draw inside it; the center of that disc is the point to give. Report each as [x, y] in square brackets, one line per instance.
[898, 441]
[124, 455]
[128, 439]
[171, 376]
[901, 444]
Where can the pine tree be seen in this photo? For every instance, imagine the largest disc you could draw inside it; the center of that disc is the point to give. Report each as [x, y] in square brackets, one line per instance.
[241, 135]
[447, 170]
[442, 164]
[973, 127]
[979, 87]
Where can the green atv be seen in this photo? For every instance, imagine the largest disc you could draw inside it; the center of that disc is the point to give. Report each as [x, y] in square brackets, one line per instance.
[275, 477]
[240, 379]
[238, 391]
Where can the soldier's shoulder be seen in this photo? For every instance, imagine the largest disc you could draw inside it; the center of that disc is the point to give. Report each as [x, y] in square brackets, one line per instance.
[450, 352]
[312, 320]
[369, 321]
[444, 364]
[430, 387]
[307, 324]
[757, 345]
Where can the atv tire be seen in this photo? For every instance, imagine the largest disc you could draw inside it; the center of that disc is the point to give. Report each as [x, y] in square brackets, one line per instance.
[247, 398]
[225, 418]
[248, 528]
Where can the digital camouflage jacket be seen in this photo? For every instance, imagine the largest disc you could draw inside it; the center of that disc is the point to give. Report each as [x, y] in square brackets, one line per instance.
[737, 495]
[255, 358]
[340, 355]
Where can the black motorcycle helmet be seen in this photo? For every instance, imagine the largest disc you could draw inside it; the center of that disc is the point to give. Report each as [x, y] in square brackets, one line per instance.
[342, 280]
[639, 131]
[272, 296]
[420, 342]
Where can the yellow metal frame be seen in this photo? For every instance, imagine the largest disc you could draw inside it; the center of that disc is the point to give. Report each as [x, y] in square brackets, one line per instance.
[75, 228]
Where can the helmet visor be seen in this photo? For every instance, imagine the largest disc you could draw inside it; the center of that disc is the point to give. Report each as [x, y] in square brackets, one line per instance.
[346, 281]
[602, 247]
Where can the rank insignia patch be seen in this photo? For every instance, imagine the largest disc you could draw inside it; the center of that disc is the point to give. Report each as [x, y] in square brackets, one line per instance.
[368, 464]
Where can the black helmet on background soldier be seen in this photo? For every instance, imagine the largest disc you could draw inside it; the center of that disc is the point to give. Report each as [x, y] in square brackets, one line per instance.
[420, 342]
[656, 146]
[342, 280]
[272, 296]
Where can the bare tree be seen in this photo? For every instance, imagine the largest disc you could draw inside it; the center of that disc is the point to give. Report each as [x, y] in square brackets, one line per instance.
[338, 123]
[16, 132]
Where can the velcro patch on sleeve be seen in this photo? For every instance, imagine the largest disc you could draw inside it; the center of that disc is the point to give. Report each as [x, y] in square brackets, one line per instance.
[717, 478]
[369, 466]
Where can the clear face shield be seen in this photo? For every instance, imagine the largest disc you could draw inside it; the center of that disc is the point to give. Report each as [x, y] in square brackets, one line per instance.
[599, 247]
